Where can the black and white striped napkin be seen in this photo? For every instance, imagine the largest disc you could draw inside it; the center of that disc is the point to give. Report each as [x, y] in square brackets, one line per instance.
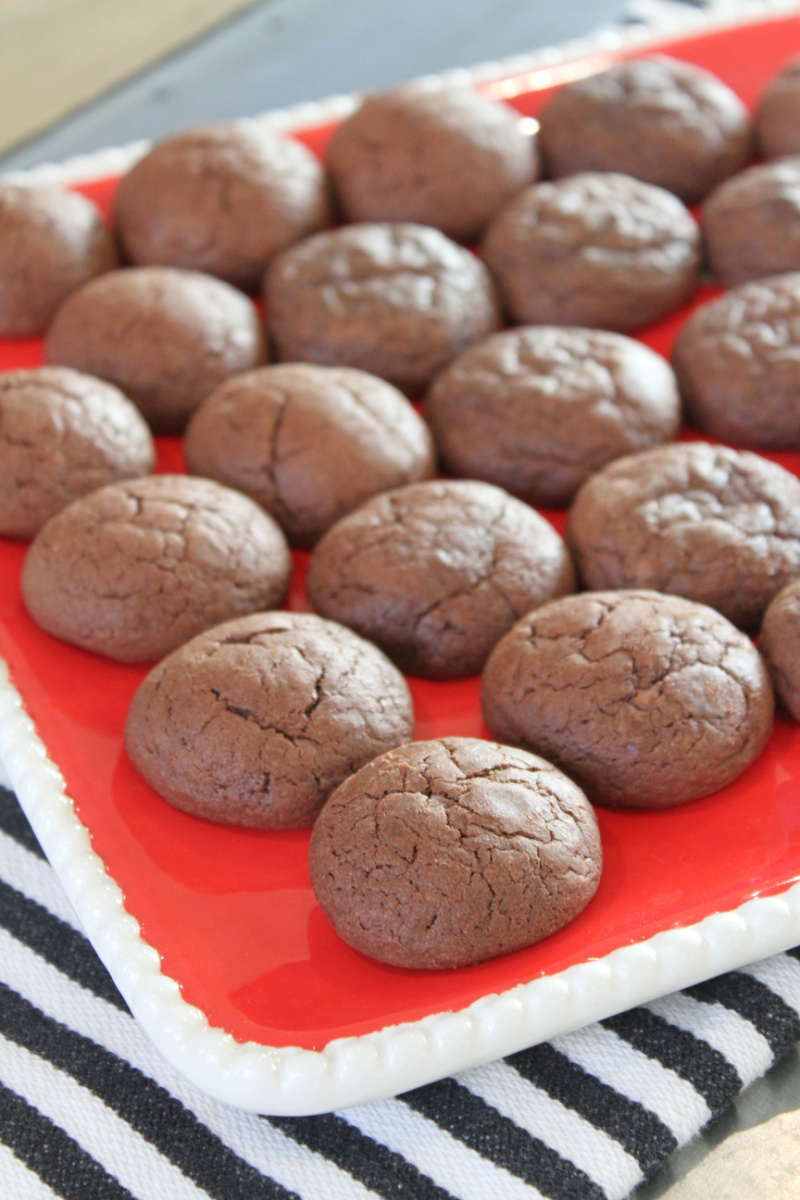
[90, 1111]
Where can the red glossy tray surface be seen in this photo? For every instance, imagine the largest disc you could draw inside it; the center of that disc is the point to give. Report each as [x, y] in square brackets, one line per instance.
[231, 912]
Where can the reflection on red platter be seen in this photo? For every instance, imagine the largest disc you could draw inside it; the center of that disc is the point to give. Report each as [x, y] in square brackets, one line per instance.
[231, 911]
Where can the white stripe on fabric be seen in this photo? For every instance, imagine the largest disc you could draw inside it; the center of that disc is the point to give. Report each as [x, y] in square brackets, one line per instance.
[256, 1141]
[34, 877]
[591, 1149]
[747, 1051]
[630, 1072]
[110, 1141]
[19, 1182]
[451, 1164]
[781, 975]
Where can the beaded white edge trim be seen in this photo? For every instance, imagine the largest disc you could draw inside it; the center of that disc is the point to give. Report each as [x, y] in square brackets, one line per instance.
[290, 1081]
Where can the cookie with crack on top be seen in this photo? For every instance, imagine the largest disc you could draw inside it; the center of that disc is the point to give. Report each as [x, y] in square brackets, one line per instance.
[135, 569]
[751, 223]
[256, 721]
[779, 642]
[647, 700]
[777, 116]
[448, 852]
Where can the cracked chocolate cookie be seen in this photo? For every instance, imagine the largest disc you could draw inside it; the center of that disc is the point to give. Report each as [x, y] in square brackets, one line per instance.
[441, 156]
[309, 443]
[448, 852]
[715, 525]
[777, 117]
[647, 700]
[737, 360]
[751, 223]
[256, 721]
[135, 569]
[601, 250]
[222, 198]
[63, 434]
[666, 122]
[51, 242]
[398, 301]
[435, 573]
[537, 410]
[779, 642]
[166, 337]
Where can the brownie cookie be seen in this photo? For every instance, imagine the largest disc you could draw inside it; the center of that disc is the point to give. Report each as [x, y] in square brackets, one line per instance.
[63, 434]
[716, 525]
[222, 198]
[537, 410]
[441, 156]
[648, 701]
[737, 360]
[135, 569]
[779, 642]
[777, 117]
[600, 250]
[166, 337]
[752, 223]
[51, 242]
[666, 122]
[256, 721]
[435, 573]
[309, 443]
[448, 852]
[398, 301]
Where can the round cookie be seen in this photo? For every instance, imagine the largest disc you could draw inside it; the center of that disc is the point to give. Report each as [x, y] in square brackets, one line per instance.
[137, 568]
[751, 223]
[666, 122]
[448, 852]
[600, 250]
[222, 198]
[777, 117]
[779, 643]
[63, 434]
[737, 360]
[256, 721]
[435, 573]
[51, 242]
[309, 443]
[647, 700]
[536, 410]
[166, 337]
[441, 156]
[716, 525]
[398, 301]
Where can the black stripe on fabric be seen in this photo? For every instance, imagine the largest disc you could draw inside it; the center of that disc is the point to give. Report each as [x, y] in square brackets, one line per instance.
[57, 942]
[14, 822]
[708, 1071]
[52, 1154]
[637, 1130]
[368, 1161]
[143, 1104]
[794, 953]
[753, 1000]
[478, 1125]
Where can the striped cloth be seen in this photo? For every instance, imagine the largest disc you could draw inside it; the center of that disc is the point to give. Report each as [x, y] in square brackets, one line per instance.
[90, 1111]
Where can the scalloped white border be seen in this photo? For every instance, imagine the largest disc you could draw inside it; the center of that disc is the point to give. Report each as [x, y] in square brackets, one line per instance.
[290, 1081]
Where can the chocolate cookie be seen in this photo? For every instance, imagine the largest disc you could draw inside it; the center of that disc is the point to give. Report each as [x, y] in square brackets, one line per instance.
[648, 701]
[222, 198]
[752, 223]
[716, 525]
[51, 242]
[309, 443]
[256, 721]
[398, 301]
[777, 117]
[166, 337]
[779, 642]
[63, 434]
[435, 573]
[738, 365]
[666, 122]
[435, 155]
[135, 569]
[600, 250]
[537, 410]
[448, 852]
